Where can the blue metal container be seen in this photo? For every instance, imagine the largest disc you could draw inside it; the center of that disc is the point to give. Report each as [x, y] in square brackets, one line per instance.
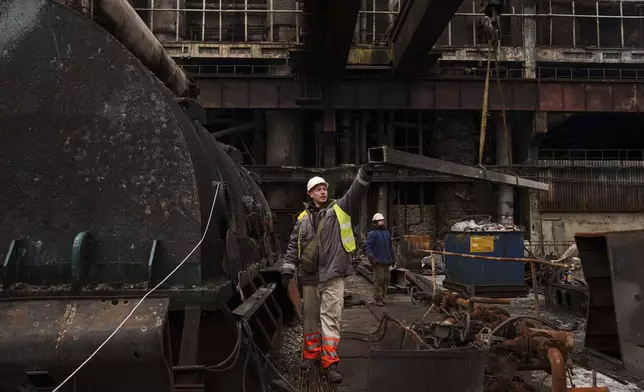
[480, 277]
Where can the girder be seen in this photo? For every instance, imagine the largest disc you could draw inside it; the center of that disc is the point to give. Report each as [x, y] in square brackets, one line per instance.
[417, 29]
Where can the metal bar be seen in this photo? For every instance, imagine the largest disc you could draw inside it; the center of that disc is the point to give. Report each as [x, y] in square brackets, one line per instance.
[574, 27]
[297, 23]
[597, 12]
[386, 155]
[189, 351]
[270, 20]
[535, 289]
[621, 22]
[176, 25]
[495, 258]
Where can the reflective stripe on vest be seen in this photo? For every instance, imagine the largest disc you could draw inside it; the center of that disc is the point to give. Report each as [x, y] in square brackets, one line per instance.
[346, 230]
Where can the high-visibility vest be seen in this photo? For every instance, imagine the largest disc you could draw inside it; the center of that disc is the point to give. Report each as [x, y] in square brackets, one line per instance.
[346, 230]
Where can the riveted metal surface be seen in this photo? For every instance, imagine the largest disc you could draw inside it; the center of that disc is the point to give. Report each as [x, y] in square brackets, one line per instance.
[57, 336]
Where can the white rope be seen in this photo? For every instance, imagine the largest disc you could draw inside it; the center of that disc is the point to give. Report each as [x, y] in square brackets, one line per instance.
[212, 208]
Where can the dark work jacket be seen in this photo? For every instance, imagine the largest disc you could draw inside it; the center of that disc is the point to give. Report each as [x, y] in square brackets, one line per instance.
[378, 246]
[334, 260]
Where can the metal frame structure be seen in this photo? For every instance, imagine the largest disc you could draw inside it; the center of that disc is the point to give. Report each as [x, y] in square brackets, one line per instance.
[375, 20]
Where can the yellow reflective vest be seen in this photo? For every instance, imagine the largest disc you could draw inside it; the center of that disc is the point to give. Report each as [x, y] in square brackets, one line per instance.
[346, 230]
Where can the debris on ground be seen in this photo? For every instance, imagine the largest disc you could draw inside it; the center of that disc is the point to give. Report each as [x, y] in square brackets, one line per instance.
[287, 356]
[361, 319]
[471, 225]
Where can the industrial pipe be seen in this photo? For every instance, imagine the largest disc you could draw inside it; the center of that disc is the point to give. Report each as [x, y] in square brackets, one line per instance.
[557, 370]
[126, 25]
[496, 258]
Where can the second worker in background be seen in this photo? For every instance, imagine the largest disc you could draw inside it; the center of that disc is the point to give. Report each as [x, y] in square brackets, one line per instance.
[320, 251]
[380, 253]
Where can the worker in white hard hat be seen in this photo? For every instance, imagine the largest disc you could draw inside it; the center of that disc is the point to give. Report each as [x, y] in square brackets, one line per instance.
[320, 251]
[380, 253]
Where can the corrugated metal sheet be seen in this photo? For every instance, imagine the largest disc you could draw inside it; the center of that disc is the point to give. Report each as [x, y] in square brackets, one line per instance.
[592, 186]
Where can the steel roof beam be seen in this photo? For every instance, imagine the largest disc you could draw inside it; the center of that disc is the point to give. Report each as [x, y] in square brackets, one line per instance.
[417, 29]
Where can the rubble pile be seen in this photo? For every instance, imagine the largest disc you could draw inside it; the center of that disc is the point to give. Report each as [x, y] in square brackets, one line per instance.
[471, 225]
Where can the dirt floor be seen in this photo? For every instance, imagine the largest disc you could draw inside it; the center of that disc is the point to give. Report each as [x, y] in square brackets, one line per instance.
[360, 324]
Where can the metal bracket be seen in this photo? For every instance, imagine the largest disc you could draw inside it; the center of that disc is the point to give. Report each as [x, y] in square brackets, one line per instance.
[189, 352]
[79, 258]
[248, 308]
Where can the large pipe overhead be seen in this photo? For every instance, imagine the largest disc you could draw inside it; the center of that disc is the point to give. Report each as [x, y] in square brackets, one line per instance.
[124, 23]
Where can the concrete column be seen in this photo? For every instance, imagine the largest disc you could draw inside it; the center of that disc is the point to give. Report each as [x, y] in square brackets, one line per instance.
[329, 139]
[284, 138]
[345, 138]
[284, 22]
[505, 193]
[381, 198]
[165, 22]
[284, 142]
[382, 188]
[454, 139]
[529, 39]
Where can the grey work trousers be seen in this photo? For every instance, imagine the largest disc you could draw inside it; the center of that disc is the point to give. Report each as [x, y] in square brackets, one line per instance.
[322, 313]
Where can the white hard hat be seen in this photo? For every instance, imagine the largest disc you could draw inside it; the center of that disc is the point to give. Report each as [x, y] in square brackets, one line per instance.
[378, 216]
[313, 182]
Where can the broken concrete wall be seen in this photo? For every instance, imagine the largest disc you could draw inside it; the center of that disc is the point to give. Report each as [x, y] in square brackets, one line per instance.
[561, 227]
[416, 219]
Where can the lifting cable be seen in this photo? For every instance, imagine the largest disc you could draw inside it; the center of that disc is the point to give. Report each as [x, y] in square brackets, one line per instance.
[493, 53]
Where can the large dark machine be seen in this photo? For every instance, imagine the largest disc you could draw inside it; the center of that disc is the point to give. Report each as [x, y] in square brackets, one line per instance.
[109, 181]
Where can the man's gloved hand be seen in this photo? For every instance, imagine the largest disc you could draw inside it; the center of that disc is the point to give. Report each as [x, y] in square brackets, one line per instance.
[371, 259]
[367, 168]
[286, 279]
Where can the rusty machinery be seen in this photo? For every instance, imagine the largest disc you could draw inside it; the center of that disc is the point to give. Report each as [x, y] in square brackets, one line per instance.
[109, 180]
[513, 344]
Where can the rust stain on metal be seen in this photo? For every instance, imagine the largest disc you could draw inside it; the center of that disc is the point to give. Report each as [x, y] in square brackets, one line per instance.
[66, 322]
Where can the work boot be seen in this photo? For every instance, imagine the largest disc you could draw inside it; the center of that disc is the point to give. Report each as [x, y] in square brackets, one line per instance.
[306, 363]
[379, 302]
[333, 375]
